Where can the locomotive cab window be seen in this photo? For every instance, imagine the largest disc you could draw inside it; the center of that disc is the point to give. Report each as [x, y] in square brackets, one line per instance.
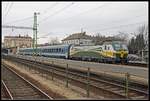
[105, 47]
[108, 48]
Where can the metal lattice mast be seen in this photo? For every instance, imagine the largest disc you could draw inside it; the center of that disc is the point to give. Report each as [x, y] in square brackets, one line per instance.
[35, 34]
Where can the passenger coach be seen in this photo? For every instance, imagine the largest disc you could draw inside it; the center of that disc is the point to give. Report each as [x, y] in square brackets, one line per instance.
[58, 51]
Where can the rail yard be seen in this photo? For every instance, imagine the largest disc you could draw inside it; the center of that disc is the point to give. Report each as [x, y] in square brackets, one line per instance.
[92, 84]
[17, 88]
[75, 51]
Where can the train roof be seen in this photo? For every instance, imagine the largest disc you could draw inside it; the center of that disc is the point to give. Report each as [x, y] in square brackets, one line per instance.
[111, 42]
[53, 46]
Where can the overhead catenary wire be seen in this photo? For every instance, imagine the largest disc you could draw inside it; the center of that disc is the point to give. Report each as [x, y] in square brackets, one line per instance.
[8, 9]
[120, 26]
[48, 8]
[45, 35]
[56, 12]
[93, 9]
[126, 19]
[6, 6]
[81, 13]
[20, 20]
[115, 22]
[5, 9]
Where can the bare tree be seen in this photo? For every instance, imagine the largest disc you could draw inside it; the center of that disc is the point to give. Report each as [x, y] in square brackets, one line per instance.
[54, 41]
[138, 44]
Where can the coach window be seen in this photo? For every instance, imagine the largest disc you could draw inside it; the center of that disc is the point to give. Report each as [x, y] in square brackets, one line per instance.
[105, 47]
[56, 50]
[108, 47]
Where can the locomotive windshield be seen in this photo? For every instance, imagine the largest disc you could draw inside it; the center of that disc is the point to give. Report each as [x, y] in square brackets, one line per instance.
[120, 46]
[124, 47]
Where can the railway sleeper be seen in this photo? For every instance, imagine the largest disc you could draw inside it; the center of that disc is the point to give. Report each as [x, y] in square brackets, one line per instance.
[28, 98]
[108, 87]
[122, 92]
[138, 97]
[114, 89]
[23, 94]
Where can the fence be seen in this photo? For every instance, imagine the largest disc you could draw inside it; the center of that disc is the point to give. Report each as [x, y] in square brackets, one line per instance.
[126, 76]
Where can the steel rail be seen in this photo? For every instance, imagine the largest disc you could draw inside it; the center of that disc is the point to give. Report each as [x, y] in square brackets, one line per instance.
[85, 77]
[32, 85]
[7, 90]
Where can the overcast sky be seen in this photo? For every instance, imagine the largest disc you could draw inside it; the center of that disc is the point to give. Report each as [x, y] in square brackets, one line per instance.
[60, 19]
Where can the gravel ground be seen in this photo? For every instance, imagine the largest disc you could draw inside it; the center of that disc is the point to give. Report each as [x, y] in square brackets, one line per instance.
[56, 86]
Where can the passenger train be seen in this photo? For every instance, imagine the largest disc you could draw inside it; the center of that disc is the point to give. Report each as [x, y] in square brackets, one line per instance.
[108, 52]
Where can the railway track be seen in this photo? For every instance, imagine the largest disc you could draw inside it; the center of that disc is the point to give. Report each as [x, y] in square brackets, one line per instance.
[5, 92]
[15, 87]
[97, 85]
[130, 63]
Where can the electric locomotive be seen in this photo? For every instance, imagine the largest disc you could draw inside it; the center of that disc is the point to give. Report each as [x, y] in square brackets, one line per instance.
[108, 52]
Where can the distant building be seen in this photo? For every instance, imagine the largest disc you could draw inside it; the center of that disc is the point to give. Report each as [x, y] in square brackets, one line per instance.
[78, 39]
[17, 41]
[2, 45]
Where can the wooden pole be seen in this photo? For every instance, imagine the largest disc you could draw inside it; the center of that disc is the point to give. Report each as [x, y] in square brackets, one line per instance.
[88, 82]
[127, 85]
[67, 76]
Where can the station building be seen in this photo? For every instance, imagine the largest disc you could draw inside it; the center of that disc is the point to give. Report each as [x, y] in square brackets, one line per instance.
[78, 39]
[14, 42]
[17, 41]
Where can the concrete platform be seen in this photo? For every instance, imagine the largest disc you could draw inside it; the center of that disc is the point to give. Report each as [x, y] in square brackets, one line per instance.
[138, 74]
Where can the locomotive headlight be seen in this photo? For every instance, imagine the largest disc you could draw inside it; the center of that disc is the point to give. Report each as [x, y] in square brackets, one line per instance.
[122, 53]
[114, 54]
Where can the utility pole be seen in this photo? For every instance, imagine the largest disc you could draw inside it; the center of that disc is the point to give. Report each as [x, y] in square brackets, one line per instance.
[81, 30]
[35, 34]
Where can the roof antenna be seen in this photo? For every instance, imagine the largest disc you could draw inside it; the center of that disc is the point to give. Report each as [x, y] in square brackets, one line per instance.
[81, 30]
